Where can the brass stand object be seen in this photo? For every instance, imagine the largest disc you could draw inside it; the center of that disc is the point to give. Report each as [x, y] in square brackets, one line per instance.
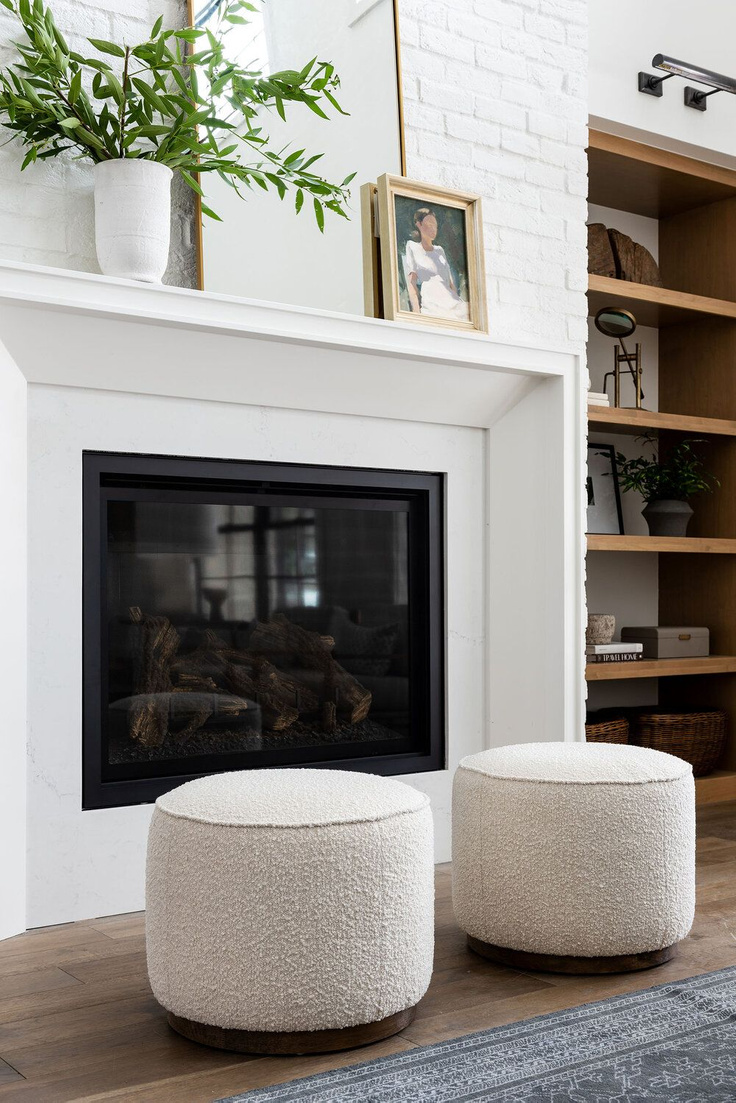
[617, 323]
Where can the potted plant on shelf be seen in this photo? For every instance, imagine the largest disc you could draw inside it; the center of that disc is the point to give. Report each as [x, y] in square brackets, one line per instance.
[173, 103]
[666, 486]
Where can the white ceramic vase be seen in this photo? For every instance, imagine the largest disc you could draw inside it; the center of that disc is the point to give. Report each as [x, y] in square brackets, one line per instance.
[132, 213]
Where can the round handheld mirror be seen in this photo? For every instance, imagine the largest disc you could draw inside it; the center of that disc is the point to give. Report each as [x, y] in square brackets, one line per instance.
[615, 323]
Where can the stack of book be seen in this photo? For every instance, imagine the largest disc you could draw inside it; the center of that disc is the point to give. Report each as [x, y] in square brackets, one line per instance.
[598, 398]
[614, 652]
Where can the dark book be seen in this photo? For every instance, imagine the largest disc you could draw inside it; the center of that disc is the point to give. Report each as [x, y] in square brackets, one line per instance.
[621, 657]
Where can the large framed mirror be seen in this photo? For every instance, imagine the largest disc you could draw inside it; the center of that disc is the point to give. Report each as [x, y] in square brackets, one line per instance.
[261, 249]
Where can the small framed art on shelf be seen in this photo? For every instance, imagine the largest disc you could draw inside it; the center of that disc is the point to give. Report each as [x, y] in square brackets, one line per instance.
[423, 254]
[604, 498]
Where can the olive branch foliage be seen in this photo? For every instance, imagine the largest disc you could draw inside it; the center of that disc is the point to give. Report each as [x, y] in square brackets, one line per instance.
[680, 476]
[175, 98]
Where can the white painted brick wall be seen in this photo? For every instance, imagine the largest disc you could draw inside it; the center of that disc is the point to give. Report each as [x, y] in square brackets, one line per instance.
[496, 103]
[46, 213]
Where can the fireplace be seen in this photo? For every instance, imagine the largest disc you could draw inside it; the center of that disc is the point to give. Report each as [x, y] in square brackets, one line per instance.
[241, 615]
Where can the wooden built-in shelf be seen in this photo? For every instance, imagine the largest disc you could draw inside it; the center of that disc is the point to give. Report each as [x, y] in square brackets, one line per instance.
[720, 785]
[630, 176]
[660, 668]
[654, 306]
[693, 207]
[616, 419]
[682, 544]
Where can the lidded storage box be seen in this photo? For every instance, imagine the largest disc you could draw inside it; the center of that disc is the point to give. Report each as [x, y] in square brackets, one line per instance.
[662, 642]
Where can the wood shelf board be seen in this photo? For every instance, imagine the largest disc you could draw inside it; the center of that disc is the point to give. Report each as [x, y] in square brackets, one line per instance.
[621, 420]
[630, 176]
[655, 306]
[682, 544]
[660, 668]
[720, 785]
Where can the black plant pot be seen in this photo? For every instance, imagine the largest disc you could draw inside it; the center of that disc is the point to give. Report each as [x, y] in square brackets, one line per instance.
[667, 517]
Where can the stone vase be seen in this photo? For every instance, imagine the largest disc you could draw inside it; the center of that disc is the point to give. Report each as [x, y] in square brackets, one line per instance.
[132, 218]
[667, 517]
[600, 629]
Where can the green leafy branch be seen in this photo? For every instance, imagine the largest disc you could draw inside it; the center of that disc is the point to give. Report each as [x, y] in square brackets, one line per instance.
[679, 477]
[175, 98]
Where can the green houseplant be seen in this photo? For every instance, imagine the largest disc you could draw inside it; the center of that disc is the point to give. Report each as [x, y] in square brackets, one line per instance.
[173, 103]
[666, 485]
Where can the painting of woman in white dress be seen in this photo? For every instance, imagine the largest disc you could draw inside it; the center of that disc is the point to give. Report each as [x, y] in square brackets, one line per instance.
[430, 251]
[434, 260]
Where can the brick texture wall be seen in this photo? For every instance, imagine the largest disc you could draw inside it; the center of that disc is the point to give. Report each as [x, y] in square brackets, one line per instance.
[47, 213]
[496, 103]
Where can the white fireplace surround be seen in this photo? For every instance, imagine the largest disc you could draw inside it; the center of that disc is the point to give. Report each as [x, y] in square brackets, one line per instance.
[88, 362]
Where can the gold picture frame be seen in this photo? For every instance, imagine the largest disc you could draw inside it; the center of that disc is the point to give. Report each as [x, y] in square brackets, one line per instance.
[372, 292]
[458, 293]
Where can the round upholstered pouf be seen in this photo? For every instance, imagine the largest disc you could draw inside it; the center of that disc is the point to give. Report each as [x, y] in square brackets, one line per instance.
[290, 911]
[574, 857]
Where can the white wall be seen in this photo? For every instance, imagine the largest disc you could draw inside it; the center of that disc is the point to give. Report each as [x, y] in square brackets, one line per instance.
[623, 41]
[47, 213]
[13, 636]
[496, 103]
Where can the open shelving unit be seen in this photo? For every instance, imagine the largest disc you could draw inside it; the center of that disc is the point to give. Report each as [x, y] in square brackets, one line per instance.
[661, 668]
[676, 544]
[695, 313]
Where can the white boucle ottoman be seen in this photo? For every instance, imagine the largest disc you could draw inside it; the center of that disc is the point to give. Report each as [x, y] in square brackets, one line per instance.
[290, 911]
[574, 857]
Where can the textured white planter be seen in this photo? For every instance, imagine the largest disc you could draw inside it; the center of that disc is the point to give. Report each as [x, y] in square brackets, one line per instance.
[132, 213]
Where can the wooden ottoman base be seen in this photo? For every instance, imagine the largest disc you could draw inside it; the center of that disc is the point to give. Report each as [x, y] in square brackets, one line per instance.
[291, 1042]
[552, 963]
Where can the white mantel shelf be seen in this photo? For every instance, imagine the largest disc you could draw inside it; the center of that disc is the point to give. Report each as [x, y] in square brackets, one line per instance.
[102, 296]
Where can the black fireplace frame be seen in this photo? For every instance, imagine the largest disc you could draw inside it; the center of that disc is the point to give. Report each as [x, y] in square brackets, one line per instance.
[425, 490]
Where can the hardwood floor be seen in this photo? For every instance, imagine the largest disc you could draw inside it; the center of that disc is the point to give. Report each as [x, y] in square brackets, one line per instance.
[78, 1021]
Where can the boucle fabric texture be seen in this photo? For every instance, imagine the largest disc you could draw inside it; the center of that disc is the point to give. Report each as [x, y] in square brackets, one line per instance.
[291, 798]
[290, 899]
[574, 849]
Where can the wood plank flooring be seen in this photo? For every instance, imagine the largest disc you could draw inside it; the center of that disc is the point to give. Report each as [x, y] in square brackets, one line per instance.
[78, 1021]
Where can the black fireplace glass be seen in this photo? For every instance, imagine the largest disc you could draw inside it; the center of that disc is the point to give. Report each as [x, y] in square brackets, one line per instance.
[242, 615]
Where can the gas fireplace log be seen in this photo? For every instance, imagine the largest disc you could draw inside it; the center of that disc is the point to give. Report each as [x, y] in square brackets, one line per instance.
[264, 687]
[148, 719]
[158, 642]
[287, 644]
[214, 664]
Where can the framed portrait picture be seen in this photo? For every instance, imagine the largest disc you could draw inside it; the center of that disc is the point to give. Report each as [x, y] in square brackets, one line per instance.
[431, 255]
[604, 499]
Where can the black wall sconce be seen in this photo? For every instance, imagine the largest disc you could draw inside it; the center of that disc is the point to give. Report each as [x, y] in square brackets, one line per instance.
[651, 83]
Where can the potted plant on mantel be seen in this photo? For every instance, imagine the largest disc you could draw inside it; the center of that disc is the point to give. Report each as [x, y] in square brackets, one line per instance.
[140, 113]
[666, 486]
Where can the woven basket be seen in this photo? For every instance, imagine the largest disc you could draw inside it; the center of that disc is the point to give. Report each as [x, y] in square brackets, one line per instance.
[614, 729]
[698, 737]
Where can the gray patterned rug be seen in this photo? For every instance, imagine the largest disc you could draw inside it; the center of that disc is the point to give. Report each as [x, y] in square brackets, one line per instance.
[675, 1043]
